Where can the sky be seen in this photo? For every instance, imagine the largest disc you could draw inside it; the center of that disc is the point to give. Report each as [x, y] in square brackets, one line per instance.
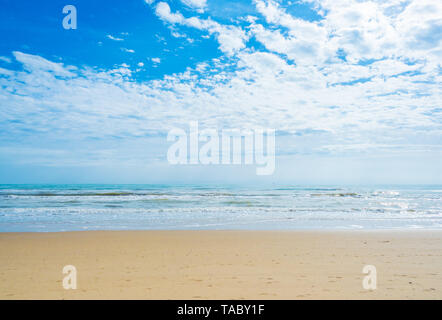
[353, 89]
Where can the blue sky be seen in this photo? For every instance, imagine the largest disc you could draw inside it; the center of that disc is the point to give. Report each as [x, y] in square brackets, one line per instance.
[353, 88]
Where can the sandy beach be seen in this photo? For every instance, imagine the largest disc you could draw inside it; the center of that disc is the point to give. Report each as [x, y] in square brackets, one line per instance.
[221, 264]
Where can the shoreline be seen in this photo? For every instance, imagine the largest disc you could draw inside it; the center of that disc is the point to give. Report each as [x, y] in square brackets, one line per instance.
[288, 230]
[222, 264]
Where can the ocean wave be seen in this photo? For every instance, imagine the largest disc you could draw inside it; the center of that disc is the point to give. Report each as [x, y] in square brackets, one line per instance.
[111, 208]
[340, 194]
[84, 194]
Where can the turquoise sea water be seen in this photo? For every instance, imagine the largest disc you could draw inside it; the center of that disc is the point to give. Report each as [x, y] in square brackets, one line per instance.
[45, 208]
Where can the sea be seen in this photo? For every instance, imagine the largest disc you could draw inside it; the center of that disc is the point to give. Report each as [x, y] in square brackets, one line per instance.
[55, 208]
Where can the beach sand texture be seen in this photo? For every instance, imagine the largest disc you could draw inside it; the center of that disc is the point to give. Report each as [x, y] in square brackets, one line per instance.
[221, 264]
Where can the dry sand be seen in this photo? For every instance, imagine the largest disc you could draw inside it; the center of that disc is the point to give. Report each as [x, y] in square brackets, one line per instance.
[221, 265]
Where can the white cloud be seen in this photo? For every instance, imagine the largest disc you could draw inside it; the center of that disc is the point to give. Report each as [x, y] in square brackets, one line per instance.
[230, 38]
[361, 29]
[199, 5]
[262, 90]
[37, 64]
[162, 10]
[5, 59]
[391, 98]
[114, 38]
[128, 50]
[375, 29]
